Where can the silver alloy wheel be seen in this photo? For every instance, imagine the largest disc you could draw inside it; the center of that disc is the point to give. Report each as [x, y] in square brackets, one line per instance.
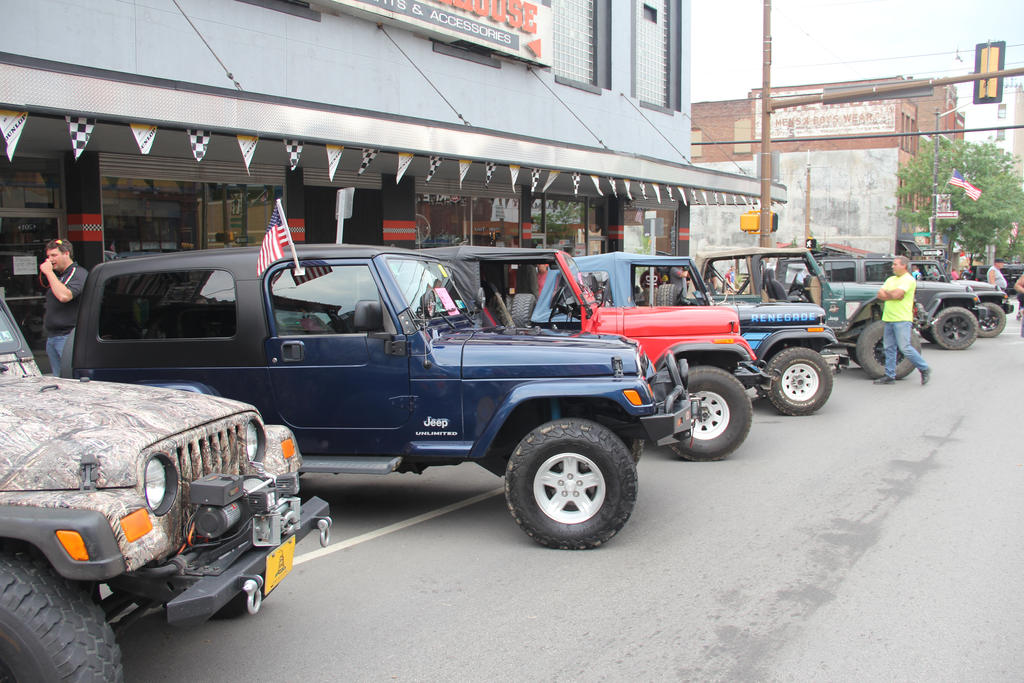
[569, 488]
[714, 415]
[799, 382]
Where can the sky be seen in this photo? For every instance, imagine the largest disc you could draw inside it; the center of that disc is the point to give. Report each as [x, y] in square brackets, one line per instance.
[817, 41]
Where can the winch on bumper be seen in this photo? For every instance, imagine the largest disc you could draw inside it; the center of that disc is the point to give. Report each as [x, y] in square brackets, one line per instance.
[246, 530]
[676, 410]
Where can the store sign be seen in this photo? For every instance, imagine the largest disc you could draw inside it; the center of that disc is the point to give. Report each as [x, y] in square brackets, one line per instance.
[859, 118]
[517, 28]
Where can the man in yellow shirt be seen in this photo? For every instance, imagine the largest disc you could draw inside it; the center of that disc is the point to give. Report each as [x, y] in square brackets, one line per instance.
[898, 314]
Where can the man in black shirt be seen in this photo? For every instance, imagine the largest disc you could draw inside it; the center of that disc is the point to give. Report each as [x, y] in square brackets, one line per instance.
[65, 280]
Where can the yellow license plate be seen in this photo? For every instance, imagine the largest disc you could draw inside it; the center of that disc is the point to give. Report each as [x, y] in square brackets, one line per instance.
[279, 563]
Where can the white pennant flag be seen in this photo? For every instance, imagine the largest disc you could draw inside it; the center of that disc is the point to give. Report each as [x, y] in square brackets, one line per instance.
[551, 178]
[294, 150]
[247, 144]
[80, 129]
[693, 193]
[464, 165]
[629, 193]
[144, 135]
[333, 157]
[657, 191]
[597, 184]
[513, 171]
[705, 193]
[682, 195]
[11, 125]
[404, 159]
[198, 141]
[615, 189]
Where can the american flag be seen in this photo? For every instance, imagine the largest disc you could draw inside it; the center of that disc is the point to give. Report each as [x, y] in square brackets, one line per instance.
[959, 181]
[274, 242]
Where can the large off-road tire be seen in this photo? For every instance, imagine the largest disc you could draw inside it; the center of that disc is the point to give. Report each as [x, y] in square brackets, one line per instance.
[995, 323]
[724, 419]
[801, 381]
[955, 328]
[571, 484]
[49, 629]
[666, 295]
[870, 351]
[521, 308]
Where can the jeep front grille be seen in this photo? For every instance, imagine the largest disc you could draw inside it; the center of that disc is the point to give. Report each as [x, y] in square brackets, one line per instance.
[217, 449]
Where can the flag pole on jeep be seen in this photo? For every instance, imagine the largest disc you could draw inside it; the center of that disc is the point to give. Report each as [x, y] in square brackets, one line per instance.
[278, 235]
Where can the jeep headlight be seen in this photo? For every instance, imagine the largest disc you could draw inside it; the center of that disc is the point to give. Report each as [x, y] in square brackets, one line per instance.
[160, 483]
[253, 435]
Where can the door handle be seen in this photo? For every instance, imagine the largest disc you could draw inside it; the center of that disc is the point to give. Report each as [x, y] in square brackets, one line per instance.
[293, 351]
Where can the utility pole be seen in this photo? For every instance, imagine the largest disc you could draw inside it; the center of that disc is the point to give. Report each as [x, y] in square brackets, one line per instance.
[933, 221]
[766, 145]
[807, 204]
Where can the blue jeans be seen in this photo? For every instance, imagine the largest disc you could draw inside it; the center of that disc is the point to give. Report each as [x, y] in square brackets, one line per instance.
[54, 350]
[897, 336]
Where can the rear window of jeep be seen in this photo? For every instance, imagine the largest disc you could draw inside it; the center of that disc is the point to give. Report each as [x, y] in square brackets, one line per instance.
[192, 304]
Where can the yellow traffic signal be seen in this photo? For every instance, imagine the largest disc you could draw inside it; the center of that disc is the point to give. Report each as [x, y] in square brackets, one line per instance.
[751, 221]
[988, 58]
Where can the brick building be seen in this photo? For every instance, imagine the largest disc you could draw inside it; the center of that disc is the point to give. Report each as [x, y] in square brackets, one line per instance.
[838, 161]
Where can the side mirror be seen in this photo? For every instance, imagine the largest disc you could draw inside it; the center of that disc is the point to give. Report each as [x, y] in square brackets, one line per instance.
[368, 316]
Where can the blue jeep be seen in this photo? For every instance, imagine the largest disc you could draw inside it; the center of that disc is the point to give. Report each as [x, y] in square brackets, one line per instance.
[367, 355]
[790, 338]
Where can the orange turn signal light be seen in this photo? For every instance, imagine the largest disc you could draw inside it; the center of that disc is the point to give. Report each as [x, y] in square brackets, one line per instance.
[725, 340]
[288, 448]
[815, 329]
[73, 544]
[633, 396]
[136, 525]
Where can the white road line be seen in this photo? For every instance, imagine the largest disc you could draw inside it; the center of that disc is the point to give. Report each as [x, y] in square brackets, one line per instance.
[391, 528]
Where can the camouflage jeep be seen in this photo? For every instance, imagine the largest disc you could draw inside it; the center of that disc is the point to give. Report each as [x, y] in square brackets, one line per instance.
[115, 499]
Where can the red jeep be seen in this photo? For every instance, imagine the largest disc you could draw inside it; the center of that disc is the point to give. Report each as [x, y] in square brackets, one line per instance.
[503, 285]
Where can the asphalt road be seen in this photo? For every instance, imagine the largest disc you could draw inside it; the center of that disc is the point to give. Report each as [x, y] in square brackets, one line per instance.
[878, 540]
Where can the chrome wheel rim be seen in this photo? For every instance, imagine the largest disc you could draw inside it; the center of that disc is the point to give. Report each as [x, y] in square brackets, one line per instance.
[569, 488]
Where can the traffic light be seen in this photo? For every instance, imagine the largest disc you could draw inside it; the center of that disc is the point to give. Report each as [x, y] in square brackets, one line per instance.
[751, 221]
[989, 57]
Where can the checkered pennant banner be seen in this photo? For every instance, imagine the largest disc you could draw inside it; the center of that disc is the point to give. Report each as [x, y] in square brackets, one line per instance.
[513, 171]
[615, 187]
[489, 167]
[81, 130]
[597, 184]
[368, 155]
[435, 163]
[668, 188]
[643, 188]
[198, 140]
[575, 183]
[534, 177]
[294, 149]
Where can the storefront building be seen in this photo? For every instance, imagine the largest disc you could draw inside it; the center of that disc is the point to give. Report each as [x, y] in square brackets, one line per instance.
[175, 124]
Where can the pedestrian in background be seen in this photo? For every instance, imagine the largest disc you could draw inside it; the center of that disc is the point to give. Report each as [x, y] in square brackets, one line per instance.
[1019, 288]
[898, 314]
[995, 275]
[64, 280]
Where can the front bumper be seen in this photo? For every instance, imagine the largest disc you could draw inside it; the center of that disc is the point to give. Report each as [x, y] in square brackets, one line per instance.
[669, 427]
[209, 594]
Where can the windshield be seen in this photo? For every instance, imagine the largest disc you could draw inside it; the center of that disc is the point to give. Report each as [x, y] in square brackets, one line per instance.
[427, 287]
[588, 293]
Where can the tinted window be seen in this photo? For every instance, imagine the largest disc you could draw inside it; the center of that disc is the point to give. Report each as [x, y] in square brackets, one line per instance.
[877, 271]
[322, 300]
[841, 271]
[170, 305]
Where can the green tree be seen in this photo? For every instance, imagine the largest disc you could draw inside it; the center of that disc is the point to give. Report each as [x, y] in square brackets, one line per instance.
[985, 222]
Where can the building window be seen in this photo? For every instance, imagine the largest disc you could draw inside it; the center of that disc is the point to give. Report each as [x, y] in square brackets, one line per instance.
[1000, 135]
[1001, 112]
[448, 220]
[652, 52]
[574, 40]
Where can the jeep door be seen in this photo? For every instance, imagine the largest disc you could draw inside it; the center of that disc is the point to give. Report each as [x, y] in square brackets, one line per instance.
[337, 384]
